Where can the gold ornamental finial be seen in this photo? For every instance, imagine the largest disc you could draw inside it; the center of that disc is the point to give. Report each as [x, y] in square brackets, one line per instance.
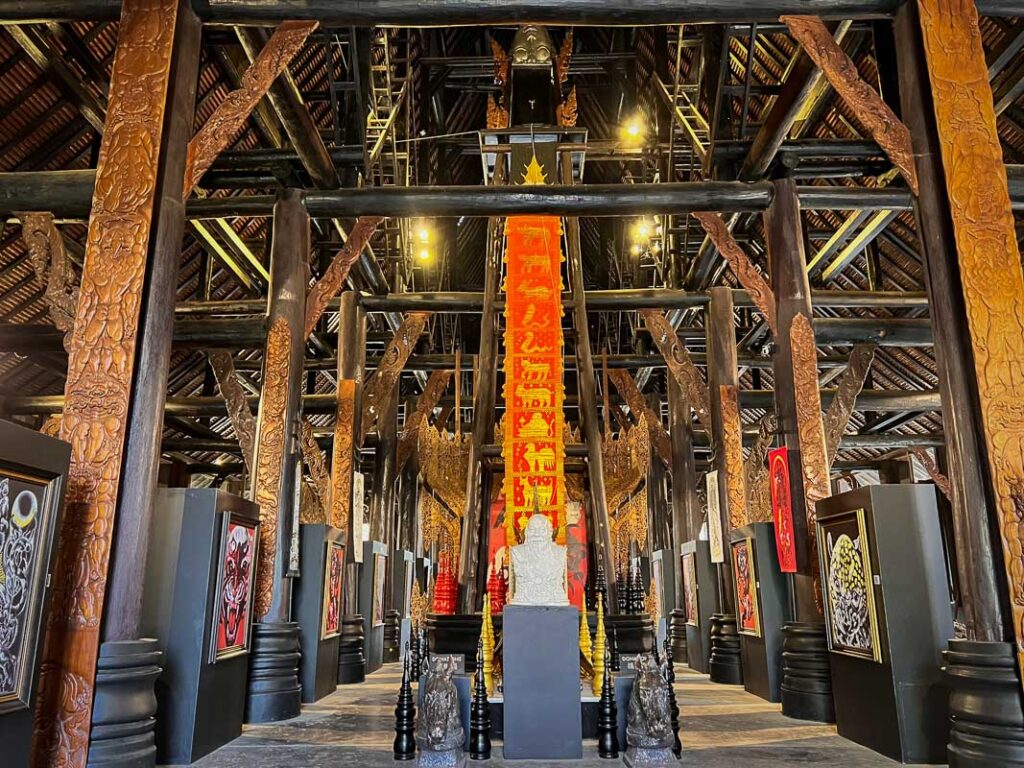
[534, 172]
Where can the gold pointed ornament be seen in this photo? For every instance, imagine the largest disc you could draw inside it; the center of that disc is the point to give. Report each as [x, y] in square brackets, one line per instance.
[600, 644]
[487, 633]
[585, 647]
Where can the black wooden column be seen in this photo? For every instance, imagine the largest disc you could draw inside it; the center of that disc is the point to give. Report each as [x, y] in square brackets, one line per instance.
[351, 353]
[127, 664]
[382, 501]
[725, 663]
[274, 690]
[992, 722]
[807, 682]
[477, 519]
[686, 512]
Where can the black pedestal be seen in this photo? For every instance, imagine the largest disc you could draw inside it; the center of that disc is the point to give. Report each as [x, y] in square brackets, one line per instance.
[725, 664]
[986, 717]
[458, 634]
[124, 707]
[891, 697]
[806, 674]
[698, 631]
[677, 635]
[200, 696]
[761, 650]
[351, 661]
[274, 690]
[634, 631]
[372, 597]
[318, 666]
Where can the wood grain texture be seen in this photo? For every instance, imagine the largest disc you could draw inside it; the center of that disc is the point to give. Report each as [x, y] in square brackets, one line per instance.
[227, 120]
[425, 405]
[638, 405]
[814, 458]
[53, 270]
[101, 362]
[341, 455]
[748, 275]
[732, 438]
[851, 382]
[314, 459]
[327, 287]
[877, 117]
[990, 265]
[680, 365]
[379, 386]
[242, 420]
[936, 474]
[271, 443]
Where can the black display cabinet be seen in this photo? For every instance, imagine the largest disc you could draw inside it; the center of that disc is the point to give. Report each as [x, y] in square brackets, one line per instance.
[317, 606]
[373, 578]
[663, 576]
[887, 618]
[761, 607]
[33, 480]
[403, 573]
[699, 595]
[200, 574]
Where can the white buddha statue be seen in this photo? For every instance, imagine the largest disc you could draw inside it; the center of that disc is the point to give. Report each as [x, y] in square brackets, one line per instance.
[539, 567]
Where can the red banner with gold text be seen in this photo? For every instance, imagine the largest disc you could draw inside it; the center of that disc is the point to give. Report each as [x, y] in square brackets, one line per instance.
[533, 450]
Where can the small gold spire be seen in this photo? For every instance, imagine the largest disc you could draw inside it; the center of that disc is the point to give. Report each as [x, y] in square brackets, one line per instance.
[487, 632]
[597, 682]
[585, 647]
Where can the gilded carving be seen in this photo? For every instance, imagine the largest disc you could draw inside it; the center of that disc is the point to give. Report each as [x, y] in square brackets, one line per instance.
[341, 455]
[989, 256]
[732, 438]
[497, 114]
[271, 443]
[327, 287]
[679, 364]
[878, 118]
[759, 498]
[439, 526]
[936, 474]
[626, 457]
[242, 420]
[409, 438]
[378, 387]
[563, 58]
[444, 464]
[813, 456]
[501, 63]
[101, 362]
[752, 280]
[53, 270]
[230, 115]
[314, 458]
[566, 112]
[841, 408]
[638, 405]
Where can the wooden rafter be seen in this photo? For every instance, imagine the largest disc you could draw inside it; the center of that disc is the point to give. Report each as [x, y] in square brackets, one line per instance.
[638, 405]
[409, 438]
[851, 382]
[379, 386]
[680, 365]
[241, 417]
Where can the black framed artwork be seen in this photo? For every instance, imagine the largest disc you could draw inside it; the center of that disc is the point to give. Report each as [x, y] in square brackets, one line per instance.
[33, 478]
[744, 570]
[379, 578]
[848, 586]
[236, 581]
[690, 588]
[334, 574]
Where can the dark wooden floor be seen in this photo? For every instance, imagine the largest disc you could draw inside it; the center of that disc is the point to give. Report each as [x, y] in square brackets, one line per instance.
[721, 726]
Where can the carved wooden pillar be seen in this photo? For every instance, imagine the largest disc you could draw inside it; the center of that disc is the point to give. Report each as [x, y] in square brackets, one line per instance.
[807, 687]
[140, 153]
[976, 290]
[660, 532]
[725, 663]
[274, 659]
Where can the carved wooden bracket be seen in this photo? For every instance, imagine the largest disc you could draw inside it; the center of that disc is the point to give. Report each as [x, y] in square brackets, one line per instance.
[851, 382]
[679, 364]
[314, 459]
[409, 438]
[638, 405]
[732, 434]
[940, 480]
[327, 287]
[53, 270]
[881, 122]
[379, 386]
[715, 227]
[230, 115]
[756, 469]
[242, 420]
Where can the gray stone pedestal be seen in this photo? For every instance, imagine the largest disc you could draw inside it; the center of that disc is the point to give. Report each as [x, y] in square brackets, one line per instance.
[542, 683]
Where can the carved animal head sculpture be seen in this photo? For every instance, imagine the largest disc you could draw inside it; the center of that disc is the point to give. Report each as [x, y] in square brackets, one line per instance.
[532, 46]
[237, 578]
[438, 727]
[648, 721]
